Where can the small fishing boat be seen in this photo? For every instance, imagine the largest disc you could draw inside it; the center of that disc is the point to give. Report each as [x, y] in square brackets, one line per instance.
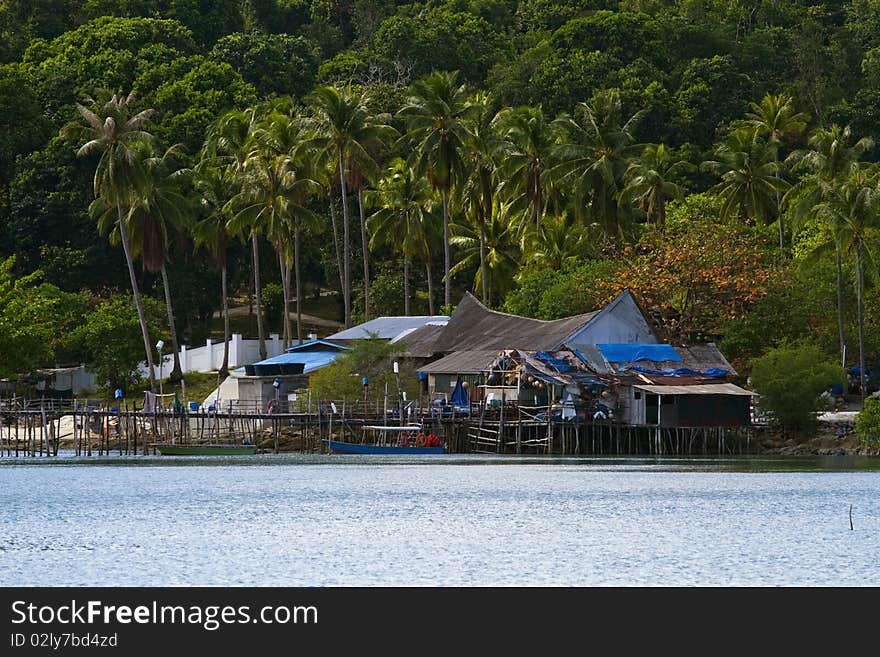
[377, 439]
[167, 449]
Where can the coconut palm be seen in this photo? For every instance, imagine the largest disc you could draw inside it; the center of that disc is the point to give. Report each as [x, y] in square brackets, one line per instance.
[113, 129]
[830, 158]
[501, 244]
[403, 203]
[559, 241]
[210, 232]
[159, 211]
[435, 116]
[854, 208]
[273, 196]
[775, 119]
[478, 188]
[229, 141]
[650, 182]
[345, 128]
[747, 167]
[529, 141]
[593, 157]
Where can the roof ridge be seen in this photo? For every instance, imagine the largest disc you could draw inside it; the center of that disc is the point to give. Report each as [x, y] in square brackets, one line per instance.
[536, 319]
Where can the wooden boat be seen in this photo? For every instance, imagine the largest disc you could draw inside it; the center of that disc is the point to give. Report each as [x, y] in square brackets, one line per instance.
[390, 440]
[167, 449]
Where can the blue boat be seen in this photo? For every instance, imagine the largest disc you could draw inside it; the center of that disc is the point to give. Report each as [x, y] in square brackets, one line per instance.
[390, 440]
[338, 447]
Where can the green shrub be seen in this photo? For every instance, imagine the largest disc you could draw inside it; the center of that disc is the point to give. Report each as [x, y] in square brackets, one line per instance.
[273, 303]
[868, 423]
[789, 380]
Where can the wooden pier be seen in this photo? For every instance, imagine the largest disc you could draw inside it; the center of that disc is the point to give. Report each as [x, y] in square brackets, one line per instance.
[39, 428]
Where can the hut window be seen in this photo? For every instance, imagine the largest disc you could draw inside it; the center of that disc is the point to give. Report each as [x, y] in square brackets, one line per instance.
[637, 394]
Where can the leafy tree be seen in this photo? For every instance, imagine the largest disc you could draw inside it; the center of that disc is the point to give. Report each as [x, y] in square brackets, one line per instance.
[371, 358]
[23, 128]
[108, 337]
[275, 64]
[868, 423]
[789, 380]
[441, 39]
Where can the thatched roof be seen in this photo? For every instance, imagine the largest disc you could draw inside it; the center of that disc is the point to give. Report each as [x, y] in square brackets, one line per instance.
[475, 327]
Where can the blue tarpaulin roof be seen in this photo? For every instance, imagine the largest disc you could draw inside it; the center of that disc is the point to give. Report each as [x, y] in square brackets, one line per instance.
[632, 353]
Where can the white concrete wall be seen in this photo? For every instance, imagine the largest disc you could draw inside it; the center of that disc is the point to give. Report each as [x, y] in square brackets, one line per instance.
[209, 357]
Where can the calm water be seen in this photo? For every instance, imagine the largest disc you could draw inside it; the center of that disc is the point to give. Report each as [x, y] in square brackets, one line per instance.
[321, 521]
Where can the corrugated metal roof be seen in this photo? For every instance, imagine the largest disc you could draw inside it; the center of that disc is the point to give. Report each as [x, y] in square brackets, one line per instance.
[705, 389]
[462, 362]
[386, 328]
[474, 327]
[316, 345]
[311, 360]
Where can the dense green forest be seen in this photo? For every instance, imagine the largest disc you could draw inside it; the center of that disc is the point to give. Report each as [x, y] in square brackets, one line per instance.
[716, 158]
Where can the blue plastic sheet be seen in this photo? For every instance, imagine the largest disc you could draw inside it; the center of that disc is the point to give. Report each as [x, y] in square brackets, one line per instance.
[632, 353]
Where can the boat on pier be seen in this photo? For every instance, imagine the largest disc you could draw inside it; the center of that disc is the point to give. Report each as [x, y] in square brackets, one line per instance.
[385, 439]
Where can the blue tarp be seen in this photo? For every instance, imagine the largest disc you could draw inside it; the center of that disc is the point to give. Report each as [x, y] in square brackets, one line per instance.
[632, 353]
[459, 396]
[714, 372]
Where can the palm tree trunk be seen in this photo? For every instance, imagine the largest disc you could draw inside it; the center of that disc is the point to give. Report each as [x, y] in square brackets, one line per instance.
[538, 204]
[258, 296]
[176, 371]
[661, 215]
[145, 331]
[224, 368]
[779, 219]
[861, 316]
[447, 294]
[285, 288]
[840, 308]
[346, 246]
[296, 266]
[336, 240]
[484, 267]
[405, 284]
[430, 286]
[366, 248]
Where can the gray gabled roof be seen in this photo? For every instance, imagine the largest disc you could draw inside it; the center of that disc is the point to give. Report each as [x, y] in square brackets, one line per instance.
[386, 328]
[475, 327]
[462, 362]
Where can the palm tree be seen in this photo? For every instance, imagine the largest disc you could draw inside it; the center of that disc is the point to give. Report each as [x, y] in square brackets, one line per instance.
[854, 208]
[159, 208]
[435, 116]
[595, 154]
[274, 193]
[229, 141]
[502, 254]
[210, 232]
[561, 240]
[478, 188]
[747, 167]
[650, 182]
[344, 127]
[776, 119]
[113, 129]
[402, 217]
[529, 141]
[829, 160]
